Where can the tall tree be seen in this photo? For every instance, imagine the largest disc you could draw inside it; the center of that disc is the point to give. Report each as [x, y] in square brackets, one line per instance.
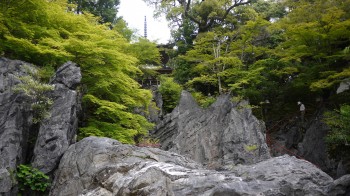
[105, 9]
[205, 14]
[316, 34]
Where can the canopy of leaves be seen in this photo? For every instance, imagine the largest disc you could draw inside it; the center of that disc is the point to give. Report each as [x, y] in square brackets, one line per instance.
[316, 34]
[299, 46]
[205, 14]
[44, 33]
[145, 51]
[106, 10]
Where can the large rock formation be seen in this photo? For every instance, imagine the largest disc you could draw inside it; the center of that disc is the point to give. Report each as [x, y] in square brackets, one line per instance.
[224, 134]
[15, 123]
[17, 132]
[314, 148]
[307, 140]
[57, 133]
[102, 166]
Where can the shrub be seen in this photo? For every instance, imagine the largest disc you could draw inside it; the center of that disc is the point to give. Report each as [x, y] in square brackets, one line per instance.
[338, 139]
[36, 91]
[32, 178]
[171, 92]
[203, 101]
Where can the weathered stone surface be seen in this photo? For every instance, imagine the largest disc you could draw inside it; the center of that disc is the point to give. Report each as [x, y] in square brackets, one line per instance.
[15, 123]
[306, 140]
[341, 186]
[97, 159]
[314, 148]
[155, 111]
[102, 166]
[224, 134]
[343, 86]
[57, 133]
[287, 175]
[68, 74]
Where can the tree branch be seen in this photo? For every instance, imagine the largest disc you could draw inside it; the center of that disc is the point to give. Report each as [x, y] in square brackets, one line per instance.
[236, 4]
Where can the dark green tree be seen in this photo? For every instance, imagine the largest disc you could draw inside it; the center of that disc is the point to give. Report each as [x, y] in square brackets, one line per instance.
[105, 9]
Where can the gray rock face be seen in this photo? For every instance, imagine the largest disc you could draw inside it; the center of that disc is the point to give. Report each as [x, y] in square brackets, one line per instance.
[15, 123]
[102, 166]
[18, 134]
[155, 111]
[343, 86]
[314, 148]
[58, 132]
[68, 74]
[222, 135]
[307, 141]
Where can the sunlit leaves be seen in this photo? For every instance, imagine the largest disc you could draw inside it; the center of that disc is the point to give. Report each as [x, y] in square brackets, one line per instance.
[44, 33]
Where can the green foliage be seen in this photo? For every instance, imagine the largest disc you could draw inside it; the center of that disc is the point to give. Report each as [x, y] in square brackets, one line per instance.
[250, 148]
[145, 51]
[45, 73]
[32, 178]
[316, 34]
[149, 142]
[122, 28]
[224, 58]
[44, 33]
[339, 121]
[203, 101]
[171, 93]
[204, 14]
[105, 9]
[303, 51]
[36, 91]
[113, 121]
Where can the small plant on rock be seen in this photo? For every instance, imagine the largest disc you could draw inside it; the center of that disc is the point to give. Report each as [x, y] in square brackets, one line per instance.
[149, 142]
[250, 148]
[32, 178]
[36, 91]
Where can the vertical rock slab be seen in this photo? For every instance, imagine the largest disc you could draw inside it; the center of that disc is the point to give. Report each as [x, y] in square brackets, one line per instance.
[314, 148]
[57, 133]
[15, 123]
[224, 134]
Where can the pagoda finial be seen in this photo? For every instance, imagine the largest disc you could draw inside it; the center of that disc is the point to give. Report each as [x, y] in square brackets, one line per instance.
[145, 28]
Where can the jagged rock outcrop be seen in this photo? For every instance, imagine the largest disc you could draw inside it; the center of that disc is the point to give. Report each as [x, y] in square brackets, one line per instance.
[224, 134]
[57, 133]
[15, 123]
[102, 166]
[17, 132]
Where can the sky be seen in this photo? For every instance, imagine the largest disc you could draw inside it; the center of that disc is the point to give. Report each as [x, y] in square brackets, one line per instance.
[134, 12]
